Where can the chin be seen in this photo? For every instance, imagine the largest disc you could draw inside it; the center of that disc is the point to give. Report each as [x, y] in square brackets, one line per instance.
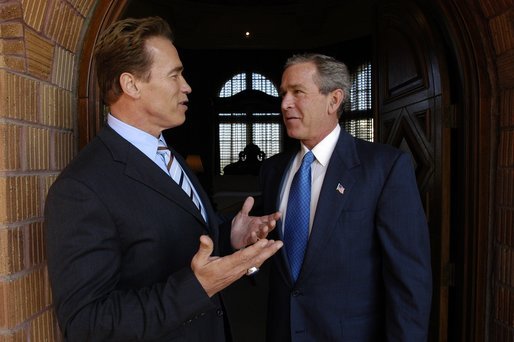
[292, 133]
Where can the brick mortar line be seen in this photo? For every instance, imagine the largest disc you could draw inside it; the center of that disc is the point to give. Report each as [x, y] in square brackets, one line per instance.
[22, 273]
[34, 124]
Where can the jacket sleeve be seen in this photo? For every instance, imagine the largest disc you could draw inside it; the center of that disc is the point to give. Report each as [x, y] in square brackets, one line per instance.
[403, 232]
[84, 263]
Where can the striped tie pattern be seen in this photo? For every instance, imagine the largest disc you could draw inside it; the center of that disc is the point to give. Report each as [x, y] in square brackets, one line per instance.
[178, 175]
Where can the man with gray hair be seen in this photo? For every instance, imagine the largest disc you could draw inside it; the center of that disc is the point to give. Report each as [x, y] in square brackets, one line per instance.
[356, 259]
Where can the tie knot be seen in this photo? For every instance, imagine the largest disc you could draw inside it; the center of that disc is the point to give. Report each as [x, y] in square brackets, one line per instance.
[308, 158]
[161, 147]
[165, 153]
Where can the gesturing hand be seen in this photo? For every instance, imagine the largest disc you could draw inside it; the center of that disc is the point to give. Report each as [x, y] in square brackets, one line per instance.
[246, 230]
[216, 273]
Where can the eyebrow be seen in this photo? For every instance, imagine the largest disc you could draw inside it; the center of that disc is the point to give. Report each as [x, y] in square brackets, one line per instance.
[179, 68]
[292, 86]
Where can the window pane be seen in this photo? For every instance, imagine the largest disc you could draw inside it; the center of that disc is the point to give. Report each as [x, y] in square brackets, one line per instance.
[234, 128]
[259, 82]
[360, 128]
[360, 93]
[267, 136]
[232, 141]
[233, 86]
[266, 114]
[231, 114]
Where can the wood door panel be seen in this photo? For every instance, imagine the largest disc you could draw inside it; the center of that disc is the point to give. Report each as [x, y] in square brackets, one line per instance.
[411, 98]
[408, 128]
[406, 74]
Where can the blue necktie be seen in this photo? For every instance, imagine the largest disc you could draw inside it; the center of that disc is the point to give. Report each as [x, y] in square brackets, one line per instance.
[296, 230]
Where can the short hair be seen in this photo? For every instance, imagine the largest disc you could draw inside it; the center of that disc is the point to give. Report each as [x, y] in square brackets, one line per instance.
[331, 74]
[122, 48]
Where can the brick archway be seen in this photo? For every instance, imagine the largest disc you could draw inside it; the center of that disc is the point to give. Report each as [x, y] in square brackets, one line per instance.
[40, 45]
[46, 115]
[89, 105]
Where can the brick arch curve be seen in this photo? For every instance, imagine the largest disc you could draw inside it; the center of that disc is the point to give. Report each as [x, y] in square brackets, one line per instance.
[90, 113]
[469, 30]
[476, 95]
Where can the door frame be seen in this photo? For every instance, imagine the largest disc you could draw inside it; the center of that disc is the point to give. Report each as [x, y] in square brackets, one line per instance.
[90, 107]
[463, 25]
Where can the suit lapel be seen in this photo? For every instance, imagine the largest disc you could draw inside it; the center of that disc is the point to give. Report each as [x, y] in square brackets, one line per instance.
[143, 170]
[343, 163]
[211, 215]
[277, 179]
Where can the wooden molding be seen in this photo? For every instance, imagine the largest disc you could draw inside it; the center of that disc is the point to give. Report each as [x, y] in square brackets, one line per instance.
[90, 108]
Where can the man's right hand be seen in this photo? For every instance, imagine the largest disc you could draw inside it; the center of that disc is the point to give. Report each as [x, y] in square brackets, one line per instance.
[216, 273]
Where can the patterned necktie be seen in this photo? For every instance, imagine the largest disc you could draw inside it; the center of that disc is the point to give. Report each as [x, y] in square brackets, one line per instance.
[296, 230]
[178, 175]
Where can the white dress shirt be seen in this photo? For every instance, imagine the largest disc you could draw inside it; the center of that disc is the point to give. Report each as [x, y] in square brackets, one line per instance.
[322, 153]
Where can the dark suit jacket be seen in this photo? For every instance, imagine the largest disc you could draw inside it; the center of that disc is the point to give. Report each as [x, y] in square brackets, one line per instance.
[366, 274]
[120, 237]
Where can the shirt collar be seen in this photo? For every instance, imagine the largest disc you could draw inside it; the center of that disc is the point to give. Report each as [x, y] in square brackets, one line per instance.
[323, 150]
[143, 141]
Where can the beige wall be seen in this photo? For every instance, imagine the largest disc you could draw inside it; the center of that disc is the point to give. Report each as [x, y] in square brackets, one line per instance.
[40, 43]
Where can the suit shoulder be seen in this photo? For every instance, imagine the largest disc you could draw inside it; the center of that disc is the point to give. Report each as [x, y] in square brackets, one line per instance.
[377, 150]
[378, 156]
[88, 161]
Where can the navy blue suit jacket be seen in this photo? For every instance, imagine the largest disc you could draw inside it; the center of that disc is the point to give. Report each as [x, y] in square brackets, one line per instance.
[120, 237]
[366, 274]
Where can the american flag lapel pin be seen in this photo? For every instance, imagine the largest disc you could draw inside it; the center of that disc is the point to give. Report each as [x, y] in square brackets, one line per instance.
[340, 188]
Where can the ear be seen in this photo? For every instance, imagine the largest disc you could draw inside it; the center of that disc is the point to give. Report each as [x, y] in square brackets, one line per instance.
[336, 98]
[129, 85]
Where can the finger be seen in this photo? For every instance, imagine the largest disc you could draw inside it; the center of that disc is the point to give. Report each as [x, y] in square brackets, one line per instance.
[247, 206]
[271, 248]
[262, 233]
[254, 237]
[273, 218]
[276, 216]
[259, 252]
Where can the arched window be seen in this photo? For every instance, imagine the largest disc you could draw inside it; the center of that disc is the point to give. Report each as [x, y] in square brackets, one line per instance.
[238, 83]
[248, 105]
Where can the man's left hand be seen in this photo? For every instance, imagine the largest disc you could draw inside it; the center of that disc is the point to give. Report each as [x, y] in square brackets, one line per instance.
[247, 230]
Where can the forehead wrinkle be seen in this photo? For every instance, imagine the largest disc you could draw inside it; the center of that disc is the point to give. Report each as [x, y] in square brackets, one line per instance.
[292, 86]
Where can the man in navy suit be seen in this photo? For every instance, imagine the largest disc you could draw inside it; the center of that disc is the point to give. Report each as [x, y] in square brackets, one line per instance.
[365, 273]
[132, 252]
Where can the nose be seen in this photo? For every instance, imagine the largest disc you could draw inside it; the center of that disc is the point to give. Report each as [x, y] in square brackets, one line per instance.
[186, 89]
[286, 102]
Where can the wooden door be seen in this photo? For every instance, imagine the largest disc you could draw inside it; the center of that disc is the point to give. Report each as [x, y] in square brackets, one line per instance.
[413, 113]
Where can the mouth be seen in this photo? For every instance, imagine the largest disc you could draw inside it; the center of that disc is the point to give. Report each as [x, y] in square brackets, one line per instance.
[184, 103]
[290, 115]
[292, 118]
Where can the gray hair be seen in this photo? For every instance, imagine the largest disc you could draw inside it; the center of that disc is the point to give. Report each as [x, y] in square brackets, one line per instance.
[331, 73]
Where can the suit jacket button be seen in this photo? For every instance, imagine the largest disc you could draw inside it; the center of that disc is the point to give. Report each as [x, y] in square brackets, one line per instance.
[219, 312]
[296, 293]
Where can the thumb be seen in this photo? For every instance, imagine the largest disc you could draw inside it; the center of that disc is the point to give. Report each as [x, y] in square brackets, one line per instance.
[206, 247]
[247, 206]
